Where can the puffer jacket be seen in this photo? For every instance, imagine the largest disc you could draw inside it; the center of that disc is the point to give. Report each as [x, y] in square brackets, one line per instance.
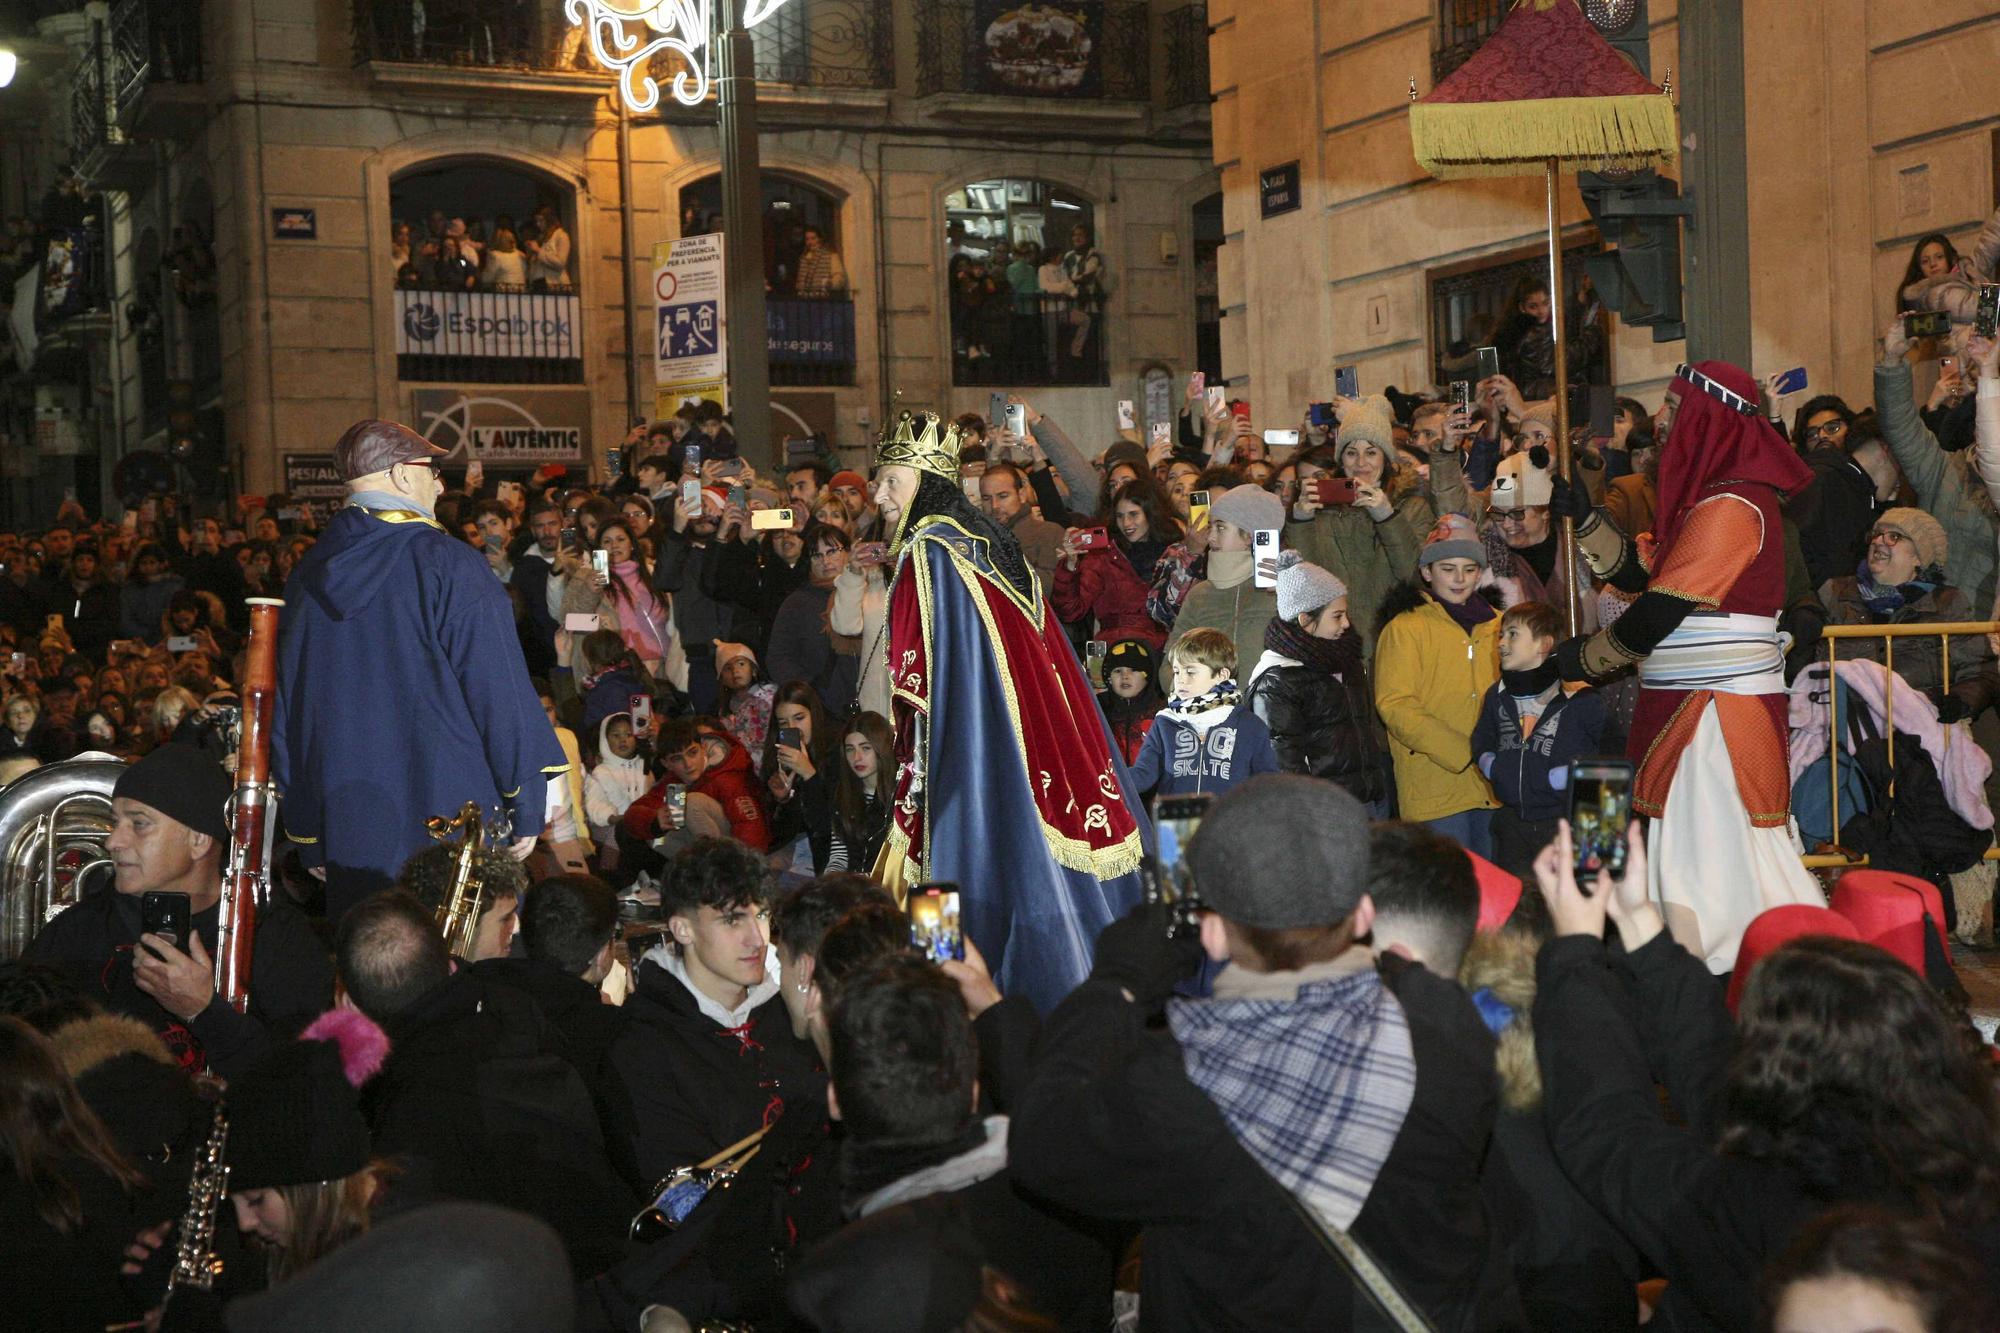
[1104, 586]
[1430, 677]
[1957, 291]
[1319, 723]
[1568, 729]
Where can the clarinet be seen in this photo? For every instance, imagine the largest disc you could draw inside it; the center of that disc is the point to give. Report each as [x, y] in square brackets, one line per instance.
[247, 884]
[196, 1263]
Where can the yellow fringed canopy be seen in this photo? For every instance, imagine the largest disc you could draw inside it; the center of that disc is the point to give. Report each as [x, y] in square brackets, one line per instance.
[1544, 85]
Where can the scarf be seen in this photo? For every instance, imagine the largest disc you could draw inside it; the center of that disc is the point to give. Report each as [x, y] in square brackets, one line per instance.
[389, 500]
[1223, 694]
[643, 638]
[1315, 1087]
[1471, 613]
[1531, 682]
[879, 1175]
[1328, 657]
[1886, 599]
[1145, 557]
[1226, 569]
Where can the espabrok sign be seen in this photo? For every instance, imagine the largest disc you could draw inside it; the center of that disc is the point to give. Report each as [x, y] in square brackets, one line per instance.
[497, 324]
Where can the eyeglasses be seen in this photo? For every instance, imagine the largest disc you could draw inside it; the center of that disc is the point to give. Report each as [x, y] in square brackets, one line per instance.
[1887, 538]
[1826, 430]
[1515, 517]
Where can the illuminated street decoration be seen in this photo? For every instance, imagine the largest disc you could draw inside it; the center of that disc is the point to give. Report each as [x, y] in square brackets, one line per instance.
[626, 36]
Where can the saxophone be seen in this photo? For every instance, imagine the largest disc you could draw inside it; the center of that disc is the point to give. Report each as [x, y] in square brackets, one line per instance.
[458, 917]
[196, 1263]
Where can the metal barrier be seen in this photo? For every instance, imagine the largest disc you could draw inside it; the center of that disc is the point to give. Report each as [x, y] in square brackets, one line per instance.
[1943, 633]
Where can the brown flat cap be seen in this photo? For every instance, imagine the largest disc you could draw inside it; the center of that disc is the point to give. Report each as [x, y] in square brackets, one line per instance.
[376, 446]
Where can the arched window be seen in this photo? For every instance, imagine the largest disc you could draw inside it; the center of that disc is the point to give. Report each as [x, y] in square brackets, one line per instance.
[791, 207]
[485, 271]
[809, 305]
[1027, 285]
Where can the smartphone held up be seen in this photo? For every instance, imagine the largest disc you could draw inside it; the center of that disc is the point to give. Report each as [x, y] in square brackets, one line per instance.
[1600, 814]
[935, 931]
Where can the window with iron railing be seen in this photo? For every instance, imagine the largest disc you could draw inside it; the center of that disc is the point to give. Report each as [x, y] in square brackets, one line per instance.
[1186, 34]
[1463, 25]
[489, 34]
[1099, 51]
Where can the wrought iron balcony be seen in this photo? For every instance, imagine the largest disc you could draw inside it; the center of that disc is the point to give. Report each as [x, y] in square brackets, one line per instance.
[143, 44]
[1029, 338]
[1463, 26]
[1185, 31]
[1103, 55]
[806, 43]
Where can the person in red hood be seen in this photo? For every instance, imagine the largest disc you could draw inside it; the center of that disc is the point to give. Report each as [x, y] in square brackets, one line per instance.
[708, 762]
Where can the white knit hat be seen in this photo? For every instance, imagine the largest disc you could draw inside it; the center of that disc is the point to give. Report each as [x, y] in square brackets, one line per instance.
[1371, 421]
[1304, 586]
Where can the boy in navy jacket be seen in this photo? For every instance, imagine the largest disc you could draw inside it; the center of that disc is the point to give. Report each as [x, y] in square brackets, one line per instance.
[1529, 732]
[1206, 740]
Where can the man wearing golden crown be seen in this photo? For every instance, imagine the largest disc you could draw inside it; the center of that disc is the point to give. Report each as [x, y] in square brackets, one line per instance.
[1007, 781]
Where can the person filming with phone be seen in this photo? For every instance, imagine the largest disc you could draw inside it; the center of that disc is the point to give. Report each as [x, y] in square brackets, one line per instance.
[1319, 1091]
[147, 950]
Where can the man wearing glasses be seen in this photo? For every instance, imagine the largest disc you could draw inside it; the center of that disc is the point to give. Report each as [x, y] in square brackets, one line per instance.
[402, 692]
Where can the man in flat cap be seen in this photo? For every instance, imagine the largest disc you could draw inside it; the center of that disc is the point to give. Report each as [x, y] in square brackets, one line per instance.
[402, 692]
[170, 834]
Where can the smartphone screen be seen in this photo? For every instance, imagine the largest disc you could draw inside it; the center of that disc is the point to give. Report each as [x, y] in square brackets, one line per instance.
[1489, 361]
[1264, 549]
[1600, 810]
[1927, 324]
[935, 931]
[1986, 320]
[1175, 819]
[166, 915]
[614, 459]
[1160, 433]
[1321, 415]
[691, 459]
[1198, 381]
[1093, 657]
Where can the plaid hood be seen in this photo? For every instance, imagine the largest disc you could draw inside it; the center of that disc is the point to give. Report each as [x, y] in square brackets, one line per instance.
[1315, 1088]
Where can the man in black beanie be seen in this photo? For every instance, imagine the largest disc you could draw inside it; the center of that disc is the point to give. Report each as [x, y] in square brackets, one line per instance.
[1311, 1085]
[169, 834]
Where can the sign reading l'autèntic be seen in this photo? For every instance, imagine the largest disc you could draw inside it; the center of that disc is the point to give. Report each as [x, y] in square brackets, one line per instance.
[1278, 189]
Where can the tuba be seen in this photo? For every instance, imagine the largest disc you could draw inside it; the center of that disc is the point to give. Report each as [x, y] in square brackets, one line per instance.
[53, 823]
[458, 917]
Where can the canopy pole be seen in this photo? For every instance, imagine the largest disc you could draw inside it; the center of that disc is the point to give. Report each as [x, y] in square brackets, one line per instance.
[1572, 608]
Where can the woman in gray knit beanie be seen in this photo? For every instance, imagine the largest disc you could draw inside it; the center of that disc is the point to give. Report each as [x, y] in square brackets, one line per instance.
[1311, 689]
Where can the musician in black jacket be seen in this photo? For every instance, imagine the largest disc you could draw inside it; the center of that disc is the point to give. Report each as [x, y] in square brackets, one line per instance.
[169, 834]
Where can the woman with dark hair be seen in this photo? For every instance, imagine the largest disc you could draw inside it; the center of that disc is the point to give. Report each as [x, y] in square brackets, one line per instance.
[1851, 1080]
[1938, 277]
[1034, 809]
[861, 793]
[623, 599]
[803, 646]
[1109, 585]
[1858, 1266]
[69, 1199]
[1823, 423]
[801, 775]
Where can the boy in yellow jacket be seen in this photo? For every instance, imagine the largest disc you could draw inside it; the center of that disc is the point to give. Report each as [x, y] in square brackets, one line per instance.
[1437, 655]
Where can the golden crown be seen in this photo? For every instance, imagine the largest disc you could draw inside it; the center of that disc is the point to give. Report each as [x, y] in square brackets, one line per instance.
[924, 441]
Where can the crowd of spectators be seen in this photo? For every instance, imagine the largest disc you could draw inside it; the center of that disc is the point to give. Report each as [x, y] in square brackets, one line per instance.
[460, 254]
[1373, 1081]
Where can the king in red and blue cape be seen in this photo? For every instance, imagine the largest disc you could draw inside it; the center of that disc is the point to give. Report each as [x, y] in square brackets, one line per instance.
[1008, 783]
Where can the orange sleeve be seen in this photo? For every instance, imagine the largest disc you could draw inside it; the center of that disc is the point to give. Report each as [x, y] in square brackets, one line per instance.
[1716, 545]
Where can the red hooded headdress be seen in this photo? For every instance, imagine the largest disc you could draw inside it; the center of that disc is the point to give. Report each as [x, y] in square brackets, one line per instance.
[1718, 437]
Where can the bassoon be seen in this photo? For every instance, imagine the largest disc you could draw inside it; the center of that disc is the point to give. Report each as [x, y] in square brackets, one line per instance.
[247, 885]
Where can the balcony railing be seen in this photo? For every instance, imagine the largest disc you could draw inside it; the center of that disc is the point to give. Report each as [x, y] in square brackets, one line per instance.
[810, 339]
[154, 41]
[1102, 55]
[1185, 31]
[1029, 339]
[1462, 26]
[490, 34]
[828, 44]
[489, 337]
[91, 122]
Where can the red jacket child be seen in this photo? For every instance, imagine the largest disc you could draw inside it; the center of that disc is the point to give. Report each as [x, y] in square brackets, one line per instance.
[714, 765]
